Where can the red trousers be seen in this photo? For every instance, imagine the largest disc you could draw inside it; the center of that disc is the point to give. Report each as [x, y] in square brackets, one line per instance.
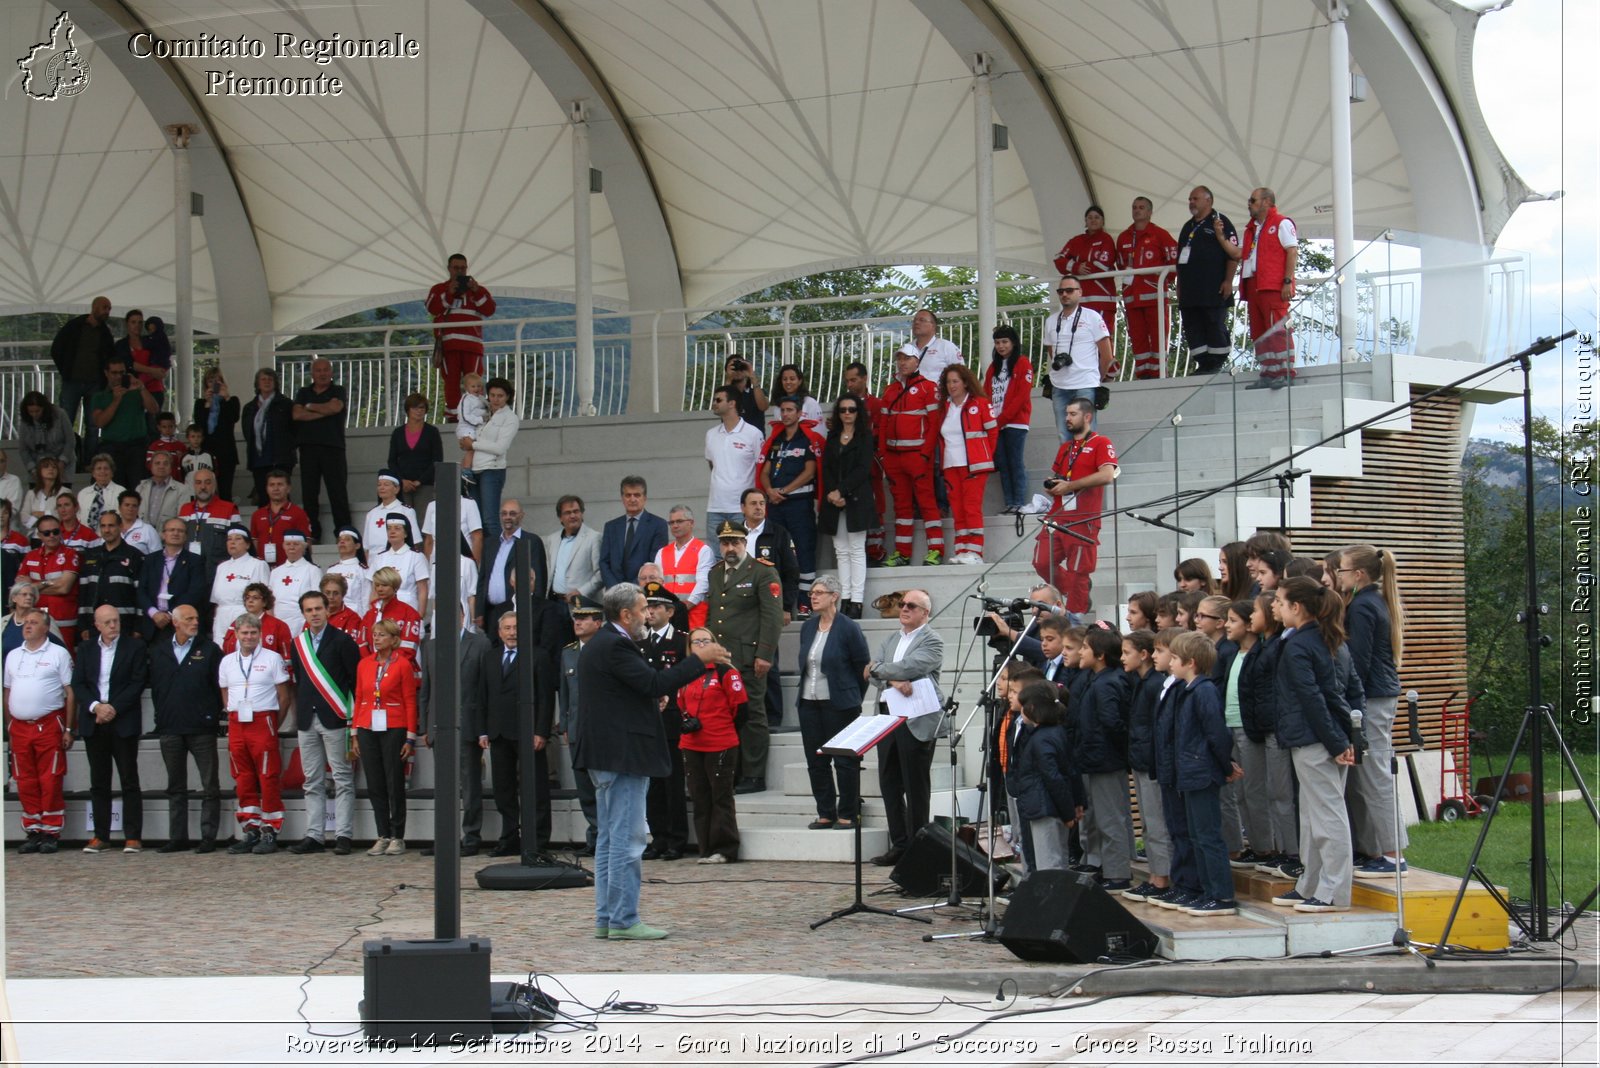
[459, 359]
[966, 506]
[1144, 337]
[1107, 307]
[40, 768]
[257, 768]
[1274, 343]
[911, 484]
[1066, 563]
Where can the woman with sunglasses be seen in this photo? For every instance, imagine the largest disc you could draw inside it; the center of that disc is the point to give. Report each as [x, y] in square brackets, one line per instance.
[847, 464]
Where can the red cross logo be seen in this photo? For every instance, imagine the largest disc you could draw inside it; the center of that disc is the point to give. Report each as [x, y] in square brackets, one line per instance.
[287, 580]
[230, 577]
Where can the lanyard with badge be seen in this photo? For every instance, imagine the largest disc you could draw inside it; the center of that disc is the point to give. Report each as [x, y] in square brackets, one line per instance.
[380, 715]
[1069, 501]
[1195, 226]
[246, 712]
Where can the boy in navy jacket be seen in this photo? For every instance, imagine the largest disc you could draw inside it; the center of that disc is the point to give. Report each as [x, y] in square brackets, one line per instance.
[1147, 684]
[1204, 762]
[1185, 883]
[1102, 754]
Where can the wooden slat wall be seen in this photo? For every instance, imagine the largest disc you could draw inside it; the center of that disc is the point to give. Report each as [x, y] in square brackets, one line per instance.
[1409, 502]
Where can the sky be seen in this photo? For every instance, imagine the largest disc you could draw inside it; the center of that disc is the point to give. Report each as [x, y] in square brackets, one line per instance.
[1534, 68]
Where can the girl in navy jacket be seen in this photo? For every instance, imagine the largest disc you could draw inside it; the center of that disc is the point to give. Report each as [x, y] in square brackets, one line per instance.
[1203, 765]
[1314, 724]
[1258, 714]
[1049, 795]
[1374, 618]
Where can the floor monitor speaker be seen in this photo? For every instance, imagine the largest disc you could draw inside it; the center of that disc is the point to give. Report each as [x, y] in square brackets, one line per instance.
[1065, 916]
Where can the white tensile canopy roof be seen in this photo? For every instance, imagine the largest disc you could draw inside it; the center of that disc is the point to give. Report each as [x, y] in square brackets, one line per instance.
[741, 142]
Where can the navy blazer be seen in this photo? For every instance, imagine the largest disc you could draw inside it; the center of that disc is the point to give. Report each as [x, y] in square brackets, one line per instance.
[619, 726]
[340, 656]
[277, 448]
[1311, 701]
[187, 586]
[1102, 721]
[1258, 689]
[1142, 720]
[1366, 620]
[649, 534]
[129, 671]
[1043, 779]
[844, 659]
[186, 695]
[1204, 743]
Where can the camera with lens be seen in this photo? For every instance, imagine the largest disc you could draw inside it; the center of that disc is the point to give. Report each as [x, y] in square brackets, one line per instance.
[1061, 362]
[690, 723]
[1010, 611]
[738, 365]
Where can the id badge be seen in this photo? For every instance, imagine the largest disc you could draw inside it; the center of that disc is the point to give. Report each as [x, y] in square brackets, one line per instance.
[1069, 502]
[1183, 255]
[271, 553]
[247, 715]
[194, 547]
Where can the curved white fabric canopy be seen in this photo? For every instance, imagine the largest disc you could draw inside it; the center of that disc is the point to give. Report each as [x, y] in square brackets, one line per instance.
[743, 141]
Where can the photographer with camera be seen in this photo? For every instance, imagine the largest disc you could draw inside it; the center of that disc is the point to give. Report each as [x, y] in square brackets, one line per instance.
[460, 305]
[1068, 547]
[119, 415]
[1079, 349]
[1003, 621]
[739, 376]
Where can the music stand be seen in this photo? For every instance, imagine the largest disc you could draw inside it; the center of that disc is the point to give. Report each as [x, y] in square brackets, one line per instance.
[854, 742]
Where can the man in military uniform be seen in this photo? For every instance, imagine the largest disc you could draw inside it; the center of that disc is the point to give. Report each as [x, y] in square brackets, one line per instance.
[587, 618]
[666, 806]
[746, 617]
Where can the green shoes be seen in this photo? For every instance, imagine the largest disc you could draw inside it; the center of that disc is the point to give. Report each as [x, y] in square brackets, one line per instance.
[639, 932]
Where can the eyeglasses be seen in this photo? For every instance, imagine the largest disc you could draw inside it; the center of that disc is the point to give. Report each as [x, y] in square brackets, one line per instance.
[909, 606]
[851, 410]
[680, 521]
[51, 533]
[1207, 615]
[703, 641]
[1074, 290]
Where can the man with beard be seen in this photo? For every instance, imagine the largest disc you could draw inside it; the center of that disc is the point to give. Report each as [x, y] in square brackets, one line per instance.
[746, 616]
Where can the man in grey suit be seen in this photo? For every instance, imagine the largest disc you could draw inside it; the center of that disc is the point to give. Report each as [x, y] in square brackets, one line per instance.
[471, 650]
[905, 758]
[573, 553]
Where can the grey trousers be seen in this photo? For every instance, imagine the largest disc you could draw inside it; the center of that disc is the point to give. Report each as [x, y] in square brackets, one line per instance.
[1281, 799]
[1112, 834]
[1049, 843]
[1228, 799]
[1370, 791]
[1157, 839]
[1255, 800]
[321, 748]
[176, 749]
[1324, 828]
[755, 736]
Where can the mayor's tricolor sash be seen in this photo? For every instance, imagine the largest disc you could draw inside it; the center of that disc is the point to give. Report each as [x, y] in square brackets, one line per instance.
[320, 679]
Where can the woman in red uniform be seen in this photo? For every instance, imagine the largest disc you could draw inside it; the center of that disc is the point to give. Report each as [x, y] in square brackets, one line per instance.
[1093, 252]
[387, 605]
[385, 721]
[710, 745]
[259, 602]
[968, 430]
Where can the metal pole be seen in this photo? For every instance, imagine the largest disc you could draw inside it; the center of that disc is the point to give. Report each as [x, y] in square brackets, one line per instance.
[183, 271]
[1344, 224]
[582, 267]
[1532, 612]
[445, 700]
[983, 115]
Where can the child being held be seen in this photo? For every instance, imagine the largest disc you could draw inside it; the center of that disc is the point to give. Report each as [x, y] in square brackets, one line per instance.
[474, 410]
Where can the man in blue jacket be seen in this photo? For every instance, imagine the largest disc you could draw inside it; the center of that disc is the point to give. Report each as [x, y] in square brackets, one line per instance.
[629, 541]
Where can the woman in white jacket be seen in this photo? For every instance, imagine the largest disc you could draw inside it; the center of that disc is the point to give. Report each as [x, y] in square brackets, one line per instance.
[491, 446]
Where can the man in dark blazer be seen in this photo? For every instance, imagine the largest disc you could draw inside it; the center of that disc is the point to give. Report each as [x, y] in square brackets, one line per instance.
[323, 704]
[620, 740]
[905, 758]
[109, 725]
[498, 715]
[471, 651]
[629, 541]
[169, 578]
[183, 686]
[496, 580]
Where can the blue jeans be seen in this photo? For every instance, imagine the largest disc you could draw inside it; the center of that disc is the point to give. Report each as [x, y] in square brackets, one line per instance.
[1063, 397]
[491, 484]
[714, 520]
[618, 846]
[1013, 468]
[1203, 809]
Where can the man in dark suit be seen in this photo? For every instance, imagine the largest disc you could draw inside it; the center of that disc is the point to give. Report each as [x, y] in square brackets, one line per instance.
[620, 740]
[497, 716]
[169, 578]
[768, 541]
[629, 541]
[183, 685]
[666, 806]
[324, 659]
[496, 582]
[905, 758]
[471, 650]
[108, 679]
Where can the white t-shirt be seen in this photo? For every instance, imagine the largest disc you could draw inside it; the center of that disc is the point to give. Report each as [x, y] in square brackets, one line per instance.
[252, 681]
[1083, 343]
[288, 582]
[142, 536]
[227, 590]
[469, 588]
[471, 520]
[413, 568]
[955, 442]
[733, 455]
[357, 582]
[38, 680]
[375, 531]
[938, 354]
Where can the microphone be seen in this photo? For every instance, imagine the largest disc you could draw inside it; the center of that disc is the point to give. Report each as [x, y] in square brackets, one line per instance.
[1047, 609]
[1162, 523]
[1414, 732]
[1068, 531]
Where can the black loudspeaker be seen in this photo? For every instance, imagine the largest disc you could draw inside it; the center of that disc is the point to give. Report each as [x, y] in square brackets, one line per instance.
[925, 869]
[1065, 916]
[431, 986]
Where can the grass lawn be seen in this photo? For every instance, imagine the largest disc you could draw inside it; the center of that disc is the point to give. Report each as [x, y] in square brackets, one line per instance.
[1570, 836]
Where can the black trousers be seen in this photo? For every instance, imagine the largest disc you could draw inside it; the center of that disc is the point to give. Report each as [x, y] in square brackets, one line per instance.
[319, 465]
[711, 779]
[503, 768]
[386, 778]
[127, 460]
[104, 748]
[471, 791]
[905, 776]
[176, 749]
[666, 806]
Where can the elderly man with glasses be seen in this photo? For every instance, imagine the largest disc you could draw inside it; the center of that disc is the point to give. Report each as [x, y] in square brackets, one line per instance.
[905, 759]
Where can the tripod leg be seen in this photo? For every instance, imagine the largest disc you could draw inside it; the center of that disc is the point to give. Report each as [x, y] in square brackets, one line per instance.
[1483, 833]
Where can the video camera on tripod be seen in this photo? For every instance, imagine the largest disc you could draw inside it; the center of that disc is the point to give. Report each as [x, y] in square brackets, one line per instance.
[1011, 611]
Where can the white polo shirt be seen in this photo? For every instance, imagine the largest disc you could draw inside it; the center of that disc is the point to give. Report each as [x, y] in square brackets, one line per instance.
[733, 455]
[933, 357]
[471, 520]
[38, 680]
[252, 681]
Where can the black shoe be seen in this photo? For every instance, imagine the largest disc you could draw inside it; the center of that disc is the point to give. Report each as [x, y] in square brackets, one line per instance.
[586, 851]
[470, 847]
[246, 843]
[268, 844]
[1263, 383]
[1278, 382]
[651, 853]
[307, 845]
[49, 843]
[426, 851]
[207, 845]
[751, 786]
[672, 854]
[507, 848]
[32, 844]
[889, 859]
[341, 848]
[177, 845]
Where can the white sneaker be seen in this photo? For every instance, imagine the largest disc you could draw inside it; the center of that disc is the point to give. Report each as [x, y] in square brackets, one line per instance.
[715, 858]
[396, 847]
[379, 847]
